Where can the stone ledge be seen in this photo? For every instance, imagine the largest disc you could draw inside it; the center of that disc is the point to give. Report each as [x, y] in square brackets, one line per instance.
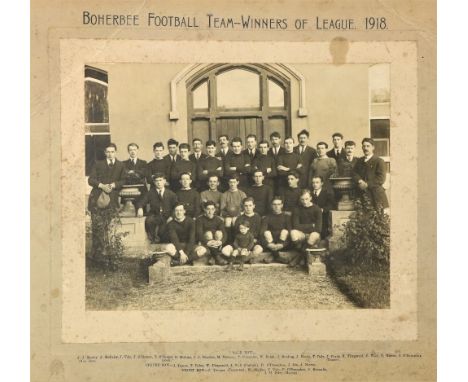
[201, 267]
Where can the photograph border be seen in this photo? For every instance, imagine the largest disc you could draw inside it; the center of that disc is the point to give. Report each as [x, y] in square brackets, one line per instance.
[397, 323]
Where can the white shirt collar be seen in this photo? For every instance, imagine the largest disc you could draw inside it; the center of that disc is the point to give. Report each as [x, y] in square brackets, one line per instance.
[109, 161]
[366, 158]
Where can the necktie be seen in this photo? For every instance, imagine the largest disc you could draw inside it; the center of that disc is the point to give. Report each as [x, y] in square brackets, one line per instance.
[315, 193]
[159, 195]
[111, 163]
[302, 149]
[337, 152]
[134, 162]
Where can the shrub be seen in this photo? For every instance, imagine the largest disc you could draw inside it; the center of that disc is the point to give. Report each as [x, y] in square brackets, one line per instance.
[367, 235]
[108, 247]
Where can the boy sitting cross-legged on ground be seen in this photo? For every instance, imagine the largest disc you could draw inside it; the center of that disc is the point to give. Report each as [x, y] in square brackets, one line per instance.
[211, 235]
[244, 243]
[306, 224]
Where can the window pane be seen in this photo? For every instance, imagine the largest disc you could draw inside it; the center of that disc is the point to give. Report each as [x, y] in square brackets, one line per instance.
[380, 128]
[275, 94]
[94, 150]
[96, 73]
[96, 107]
[382, 148]
[379, 83]
[238, 88]
[200, 96]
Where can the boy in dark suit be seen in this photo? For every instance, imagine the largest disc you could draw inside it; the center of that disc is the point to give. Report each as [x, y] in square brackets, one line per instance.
[172, 158]
[370, 174]
[307, 155]
[106, 176]
[135, 170]
[337, 151]
[162, 202]
[196, 157]
[223, 152]
[251, 146]
[275, 151]
[325, 199]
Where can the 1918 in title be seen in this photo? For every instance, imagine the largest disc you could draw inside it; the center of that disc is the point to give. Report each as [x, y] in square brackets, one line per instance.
[246, 22]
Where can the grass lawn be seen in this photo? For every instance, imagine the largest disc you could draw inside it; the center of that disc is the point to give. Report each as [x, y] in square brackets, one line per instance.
[367, 286]
[211, 289]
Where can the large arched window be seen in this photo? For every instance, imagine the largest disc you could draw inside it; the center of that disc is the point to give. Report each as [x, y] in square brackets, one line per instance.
[238, 100]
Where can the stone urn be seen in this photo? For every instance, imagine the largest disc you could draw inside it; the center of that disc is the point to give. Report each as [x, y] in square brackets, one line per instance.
[128, 194]
[343, 187]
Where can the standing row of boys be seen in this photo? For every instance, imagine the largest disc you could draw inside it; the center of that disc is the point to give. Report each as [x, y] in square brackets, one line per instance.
[234, 203]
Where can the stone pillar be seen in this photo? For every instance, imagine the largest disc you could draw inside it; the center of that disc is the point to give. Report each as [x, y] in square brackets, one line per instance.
[160, 271]
[338, 220]
[315, 263]
[135, 242]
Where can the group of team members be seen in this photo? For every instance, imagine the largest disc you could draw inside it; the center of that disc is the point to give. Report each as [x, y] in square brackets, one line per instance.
[232, 204]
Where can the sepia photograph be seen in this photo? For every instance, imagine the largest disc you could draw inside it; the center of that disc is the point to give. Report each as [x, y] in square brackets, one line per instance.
[243, 186]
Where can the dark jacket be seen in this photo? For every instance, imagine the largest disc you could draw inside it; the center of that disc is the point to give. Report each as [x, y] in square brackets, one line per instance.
[193, 159]
[105, 174]
[307, 157]
[159, 207]
[280, 152]
[346, 167]
[373, 172]
[135, 173]
[252, 157]
[331, 154]
[325, 200]
[173, 181]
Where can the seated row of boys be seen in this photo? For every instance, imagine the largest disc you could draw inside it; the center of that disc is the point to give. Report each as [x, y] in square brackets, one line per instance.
[230, 204]
[240, 236]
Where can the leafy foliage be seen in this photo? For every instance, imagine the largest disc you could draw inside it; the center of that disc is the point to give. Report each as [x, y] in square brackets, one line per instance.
[367, 235]
[108, 247]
